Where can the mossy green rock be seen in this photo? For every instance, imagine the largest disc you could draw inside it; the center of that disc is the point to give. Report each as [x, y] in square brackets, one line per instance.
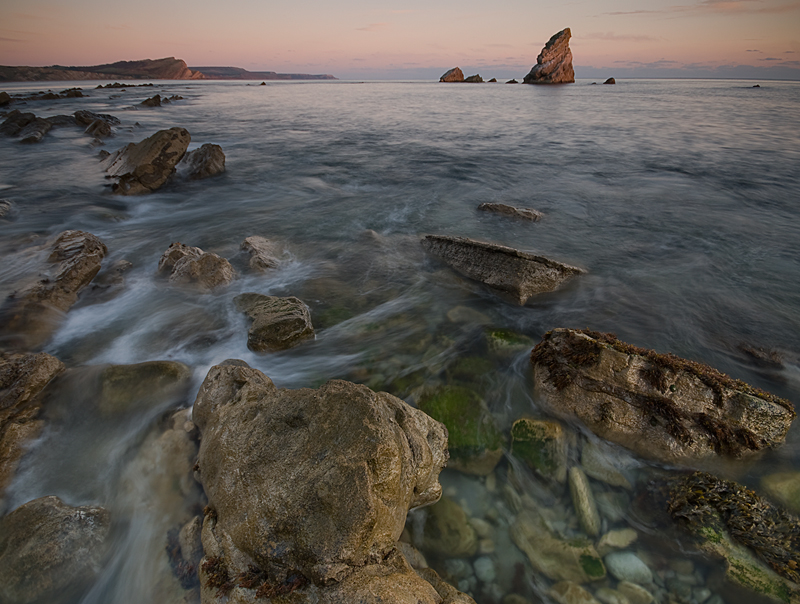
[130, 387]
[474, 441]
[506, 343]
[448, 531]
[542, 445]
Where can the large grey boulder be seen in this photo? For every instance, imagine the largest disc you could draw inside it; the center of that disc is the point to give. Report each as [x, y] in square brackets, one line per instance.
[22, 379]
[145, 166]
[554, 63]
[278, 323]
[308, 483]
[660, 406]
[513, 274]
[51, 552]
[30, 316]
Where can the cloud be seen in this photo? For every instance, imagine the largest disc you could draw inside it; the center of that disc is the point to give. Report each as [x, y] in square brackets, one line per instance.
[10, 40]
[789, 52]
[718, 6]
[373, 27]
[617, 37]
[769, 59]
[752, 50]
[790, 63]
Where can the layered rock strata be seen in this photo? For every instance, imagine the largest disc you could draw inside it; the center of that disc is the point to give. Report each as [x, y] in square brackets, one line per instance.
[278, 323]
[513, 274]
[660, 406]
[554, 63]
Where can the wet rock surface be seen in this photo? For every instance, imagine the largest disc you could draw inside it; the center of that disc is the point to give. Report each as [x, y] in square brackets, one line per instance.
[660, 406]
[188, 265]
[513, 274]
[144, 167]
[50, 552]
[554, 63]
[207, 161]
[514, 212]
[308, 486]
[278, 323]
[264, 254]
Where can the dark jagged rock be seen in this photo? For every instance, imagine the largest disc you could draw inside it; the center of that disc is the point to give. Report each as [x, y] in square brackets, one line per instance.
[513, 274]
[31, 315]
[554, 63]
[452, 75]
[610, 81]
[15, 121]
[153, 101]
[208, 160]
[474, 79]
[660, 406]
[5, 99]
[501, 208]
[278, 323]
[145, 166]
[98, 129]
[512, 82]
[324, 480]
[34, 131]
[87, 118]
[51, 552]
[493, 80]
[61, 121]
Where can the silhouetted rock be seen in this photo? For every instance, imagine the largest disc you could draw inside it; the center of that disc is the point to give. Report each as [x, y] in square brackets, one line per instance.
[5, 99]
[554, 63]
[474, 79]
[98, 129]
[453, 75]
[143, 167]
[153, 101]
[493, 80]
[512, 82]
[610, 81]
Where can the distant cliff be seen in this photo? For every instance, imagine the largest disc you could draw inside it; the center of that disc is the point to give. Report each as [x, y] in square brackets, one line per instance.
[147, 69]
[237, 73]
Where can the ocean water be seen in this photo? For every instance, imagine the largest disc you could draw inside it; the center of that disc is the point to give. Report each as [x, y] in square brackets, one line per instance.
[679, 199]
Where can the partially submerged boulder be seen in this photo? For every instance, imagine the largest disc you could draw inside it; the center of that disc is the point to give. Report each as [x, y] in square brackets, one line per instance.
[86, 118]
[474, 79]
[554, 63]
[278, 323]
[22, 379]
[448, 532]
[660, 406]
[501, 208]
[208, 160]
[132, 388]
[145, 166]
[513, 274]
[15, 121]
[34, 131]
[51, 552]
[189, 265]
[31, 315]
[542, 445]
[153, 101]
[610, 81]
[263, 253]
[308, 485]
[452, 75]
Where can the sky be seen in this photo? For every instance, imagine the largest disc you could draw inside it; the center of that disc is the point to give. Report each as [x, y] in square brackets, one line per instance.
[413, 39]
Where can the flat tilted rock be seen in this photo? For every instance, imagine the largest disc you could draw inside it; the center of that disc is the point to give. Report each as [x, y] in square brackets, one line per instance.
[501, 208]
[143, 167]
[278, 323]
[554, 63]
[453, 75]
[513, 274]
[309, 483]
[660, 406]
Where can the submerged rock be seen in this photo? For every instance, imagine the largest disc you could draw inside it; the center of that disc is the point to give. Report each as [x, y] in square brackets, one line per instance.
[541, 444]
[513, 274]
[554, 63]
[264, 254]
[128, 388]
[192, 266]
[453, 75]
[660, 406]
[22, 379]
[145, 166]
[567, 592]
[31, 315]
[501, 208]
[207, 161]
[759, 542]
[448, 532]
[784, 488]
[583, 500]
[475, 442]
[448, 593]
[308, 484]
[51, 552]
[278, 323]
[99, 129]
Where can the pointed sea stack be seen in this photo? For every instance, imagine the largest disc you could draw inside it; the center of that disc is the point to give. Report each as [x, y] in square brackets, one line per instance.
[554, 63]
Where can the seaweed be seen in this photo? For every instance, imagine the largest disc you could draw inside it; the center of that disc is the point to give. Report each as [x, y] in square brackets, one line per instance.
[726, 440]
[707, 504]
[217, 575]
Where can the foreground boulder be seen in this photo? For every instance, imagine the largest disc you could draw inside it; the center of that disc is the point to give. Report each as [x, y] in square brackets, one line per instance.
[759, 542]
[190, 265]
[208, 160]
[501, 208]
[554, 63]
[309, 489]
[51, 552]
[660, 406]
[513, 274]
[145, 166]
[22, 379]
[278, 323]
[30, 316]
[453, 75]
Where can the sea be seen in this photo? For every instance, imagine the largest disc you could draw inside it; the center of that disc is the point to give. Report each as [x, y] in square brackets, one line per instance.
[679, 198]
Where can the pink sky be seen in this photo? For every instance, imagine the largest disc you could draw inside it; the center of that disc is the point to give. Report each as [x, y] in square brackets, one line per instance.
[354, 39]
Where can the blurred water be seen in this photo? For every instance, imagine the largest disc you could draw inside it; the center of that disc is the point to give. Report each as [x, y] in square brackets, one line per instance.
[680, 199]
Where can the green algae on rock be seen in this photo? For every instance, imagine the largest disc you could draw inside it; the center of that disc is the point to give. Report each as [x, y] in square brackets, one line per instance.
[542, 445]
[474, 441]
[658, 405]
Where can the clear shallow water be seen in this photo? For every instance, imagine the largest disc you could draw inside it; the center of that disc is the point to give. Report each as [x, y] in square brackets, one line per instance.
[680, 199]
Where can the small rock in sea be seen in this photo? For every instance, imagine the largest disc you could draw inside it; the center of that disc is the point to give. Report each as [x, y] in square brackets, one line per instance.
[62, 121]
[452, 75]
[600, 461]
[627, 566]
[7, 208]
[610, 81]
[208, 160]
[145, 166]
[512, 82]
[606, 595]
[5, 99]
[263, 84]
[554, 63]
[85, 118]
[483, 529]
[191, 265]
[501, 208]
[264, 254]
[583, 500]
[474, 79]
[278, 323]
[567, 592]
[484, 569]
[493, 80]
[15, 121]
[98, 128]
[34, 131]
[134, 388]
[757, 86]
[153, 101]
[761, 357]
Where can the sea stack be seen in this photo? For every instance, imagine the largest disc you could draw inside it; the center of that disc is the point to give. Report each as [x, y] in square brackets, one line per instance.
[554, 63]
[453, 75]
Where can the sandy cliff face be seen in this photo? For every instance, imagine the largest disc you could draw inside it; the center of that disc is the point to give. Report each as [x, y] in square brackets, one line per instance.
[168, 68]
